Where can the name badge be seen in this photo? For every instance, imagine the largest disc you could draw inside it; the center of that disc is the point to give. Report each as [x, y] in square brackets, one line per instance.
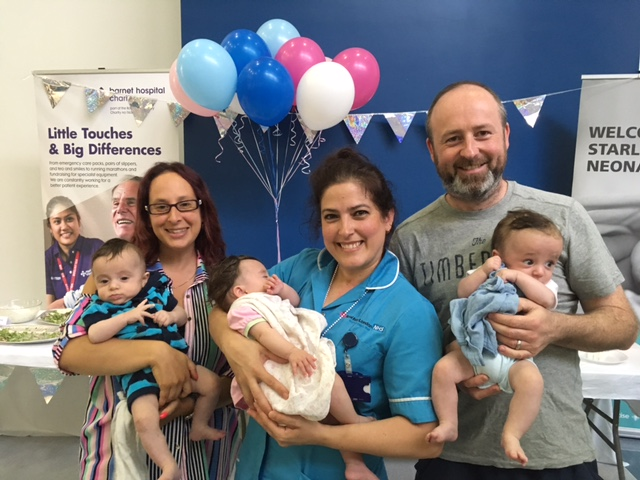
[358, 386]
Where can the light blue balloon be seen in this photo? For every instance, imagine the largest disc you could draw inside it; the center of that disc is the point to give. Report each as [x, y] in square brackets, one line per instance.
[276, 32]
[207, 74]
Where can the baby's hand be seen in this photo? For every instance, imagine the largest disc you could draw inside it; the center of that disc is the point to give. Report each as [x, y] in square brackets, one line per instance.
[163, 318]
[508, 275]
[139, 313]
[492, 264]
[274, 285]
[302, 362]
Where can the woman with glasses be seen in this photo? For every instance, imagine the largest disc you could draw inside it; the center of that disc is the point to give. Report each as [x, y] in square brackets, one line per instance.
[68, 260]
[179, 234]
[387, 338]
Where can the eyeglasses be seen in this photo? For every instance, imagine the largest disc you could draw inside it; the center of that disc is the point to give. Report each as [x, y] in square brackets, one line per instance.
[165, 208]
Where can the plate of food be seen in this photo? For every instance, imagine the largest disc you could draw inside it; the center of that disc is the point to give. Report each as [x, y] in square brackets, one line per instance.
[608, 357]
[21, 334]
[54, 317]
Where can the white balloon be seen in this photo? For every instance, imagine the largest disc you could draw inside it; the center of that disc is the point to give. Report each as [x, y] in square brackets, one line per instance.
[325, 95]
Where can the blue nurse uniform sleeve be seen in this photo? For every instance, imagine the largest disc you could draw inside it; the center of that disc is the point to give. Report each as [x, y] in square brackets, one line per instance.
[415, 345]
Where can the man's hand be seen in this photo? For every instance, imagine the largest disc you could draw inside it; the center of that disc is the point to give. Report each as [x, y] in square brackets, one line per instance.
[526, 334]
[470, 387]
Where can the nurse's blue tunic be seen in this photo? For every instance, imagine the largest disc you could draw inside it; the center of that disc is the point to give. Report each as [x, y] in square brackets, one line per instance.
[399, 342]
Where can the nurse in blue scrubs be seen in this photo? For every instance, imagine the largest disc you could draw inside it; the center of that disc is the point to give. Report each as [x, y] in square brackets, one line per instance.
[387, 338]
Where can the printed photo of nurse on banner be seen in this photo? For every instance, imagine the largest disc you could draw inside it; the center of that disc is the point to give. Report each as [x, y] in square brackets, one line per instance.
[99, 132]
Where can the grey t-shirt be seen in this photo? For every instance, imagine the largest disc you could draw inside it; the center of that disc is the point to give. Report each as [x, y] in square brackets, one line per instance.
[438, 245]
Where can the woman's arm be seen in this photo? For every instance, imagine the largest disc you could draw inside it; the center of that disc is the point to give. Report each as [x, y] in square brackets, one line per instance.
[392, 437]
[172, 369]
[246, 358]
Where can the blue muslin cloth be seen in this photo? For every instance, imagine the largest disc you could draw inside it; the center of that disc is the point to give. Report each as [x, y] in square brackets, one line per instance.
[468, 320]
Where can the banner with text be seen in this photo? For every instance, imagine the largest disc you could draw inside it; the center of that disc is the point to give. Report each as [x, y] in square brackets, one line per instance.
[607, 175]
[96, 130]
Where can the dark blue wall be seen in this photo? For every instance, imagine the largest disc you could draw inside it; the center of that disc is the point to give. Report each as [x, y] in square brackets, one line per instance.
[521, 48]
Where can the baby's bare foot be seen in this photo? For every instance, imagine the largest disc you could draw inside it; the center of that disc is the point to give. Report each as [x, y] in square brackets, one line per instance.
[205, 432]
[512, 448]
[445, 432]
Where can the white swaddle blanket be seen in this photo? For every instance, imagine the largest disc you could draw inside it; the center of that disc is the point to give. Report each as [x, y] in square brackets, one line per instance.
[309, 396]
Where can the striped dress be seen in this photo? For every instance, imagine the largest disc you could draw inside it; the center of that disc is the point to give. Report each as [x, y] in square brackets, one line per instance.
[197, 460]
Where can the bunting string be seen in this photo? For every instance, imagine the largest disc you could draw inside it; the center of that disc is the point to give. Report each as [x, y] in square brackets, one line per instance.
[530, 107]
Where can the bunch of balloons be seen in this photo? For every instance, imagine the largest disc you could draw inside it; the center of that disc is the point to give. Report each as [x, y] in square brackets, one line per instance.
[263, 74]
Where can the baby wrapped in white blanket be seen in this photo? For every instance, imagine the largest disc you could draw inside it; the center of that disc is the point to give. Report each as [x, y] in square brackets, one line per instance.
[309, 396]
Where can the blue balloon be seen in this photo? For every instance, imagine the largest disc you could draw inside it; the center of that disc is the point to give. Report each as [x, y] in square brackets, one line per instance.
[265, 91]
[276, 32]
[245, 46]
[207, 74]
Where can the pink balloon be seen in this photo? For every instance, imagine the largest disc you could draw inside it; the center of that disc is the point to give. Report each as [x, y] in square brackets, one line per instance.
[298, 55]
[364, 70]
[182, 98]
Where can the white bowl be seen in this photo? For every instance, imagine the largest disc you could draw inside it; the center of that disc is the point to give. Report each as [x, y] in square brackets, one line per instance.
[20, 311]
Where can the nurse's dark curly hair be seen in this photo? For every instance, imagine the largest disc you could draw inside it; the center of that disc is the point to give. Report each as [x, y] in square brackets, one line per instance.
[349, 165]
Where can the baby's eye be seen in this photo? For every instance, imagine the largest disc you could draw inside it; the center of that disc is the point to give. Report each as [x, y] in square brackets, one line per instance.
[528, 262]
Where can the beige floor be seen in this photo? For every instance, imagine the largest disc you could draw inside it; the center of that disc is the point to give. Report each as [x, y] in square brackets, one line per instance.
[56, 458]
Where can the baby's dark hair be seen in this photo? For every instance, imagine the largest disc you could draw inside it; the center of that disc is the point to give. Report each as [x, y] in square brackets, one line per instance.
[522, 219]
[222, 278]
[114, 248]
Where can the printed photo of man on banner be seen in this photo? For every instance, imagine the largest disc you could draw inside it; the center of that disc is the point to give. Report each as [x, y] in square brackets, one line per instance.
[99, 132]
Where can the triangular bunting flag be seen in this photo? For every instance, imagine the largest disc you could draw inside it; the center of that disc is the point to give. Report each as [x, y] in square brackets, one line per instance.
[399, 123]
[48, 380]
[178, 113]
[5, 373]
[95, 98]
[357, 124]
[309, 133]
[140, 107]
[530, 108]
[224, 120]
[55, 90]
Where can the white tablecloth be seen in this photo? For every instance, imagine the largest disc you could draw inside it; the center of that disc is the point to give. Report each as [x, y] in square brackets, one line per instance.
[614, 382]
[29, 355]
[24, 408]
[64, 413]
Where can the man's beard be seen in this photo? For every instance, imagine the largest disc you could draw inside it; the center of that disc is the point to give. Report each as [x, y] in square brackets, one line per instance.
[473, 190]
